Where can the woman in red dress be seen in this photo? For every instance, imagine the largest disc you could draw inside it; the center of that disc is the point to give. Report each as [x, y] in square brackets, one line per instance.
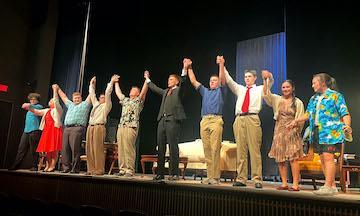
[51, 137]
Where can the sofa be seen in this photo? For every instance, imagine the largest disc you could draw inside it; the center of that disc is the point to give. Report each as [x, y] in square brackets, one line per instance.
[194, 151]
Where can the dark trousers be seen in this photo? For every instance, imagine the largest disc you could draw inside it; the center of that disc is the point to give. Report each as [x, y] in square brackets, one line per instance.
[71, 148]
[28, 141]
[168, 132]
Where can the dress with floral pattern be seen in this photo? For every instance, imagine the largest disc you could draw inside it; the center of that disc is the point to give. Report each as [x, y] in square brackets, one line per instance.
[287, 143]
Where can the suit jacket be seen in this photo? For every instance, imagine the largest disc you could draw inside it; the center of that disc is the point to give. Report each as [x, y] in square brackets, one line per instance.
[176, 99]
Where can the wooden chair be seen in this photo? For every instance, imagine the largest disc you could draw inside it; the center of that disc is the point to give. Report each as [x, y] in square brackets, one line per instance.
[112, 157]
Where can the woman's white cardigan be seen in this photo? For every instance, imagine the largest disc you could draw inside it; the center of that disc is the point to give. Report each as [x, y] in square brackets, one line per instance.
[56, 114]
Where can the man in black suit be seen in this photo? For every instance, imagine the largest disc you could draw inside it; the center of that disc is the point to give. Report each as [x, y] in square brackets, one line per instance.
[170, 116]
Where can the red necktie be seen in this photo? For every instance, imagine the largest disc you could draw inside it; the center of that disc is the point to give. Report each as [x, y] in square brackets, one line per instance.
[245, 106]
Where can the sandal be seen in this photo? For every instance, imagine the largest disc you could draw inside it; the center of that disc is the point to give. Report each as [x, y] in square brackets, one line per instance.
[282, 188]
[294, 189]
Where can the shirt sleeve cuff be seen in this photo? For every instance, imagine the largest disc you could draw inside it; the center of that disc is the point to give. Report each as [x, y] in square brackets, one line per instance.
[147, 80]
[198, 87]
[183, 72]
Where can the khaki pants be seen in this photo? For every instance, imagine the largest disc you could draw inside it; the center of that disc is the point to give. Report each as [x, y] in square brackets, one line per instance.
[248, 136]
[126, 138]
[211, 129]
[95, 137]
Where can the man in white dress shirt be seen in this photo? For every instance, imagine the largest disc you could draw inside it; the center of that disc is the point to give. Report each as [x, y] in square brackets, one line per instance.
[96, 131]
[247, 126]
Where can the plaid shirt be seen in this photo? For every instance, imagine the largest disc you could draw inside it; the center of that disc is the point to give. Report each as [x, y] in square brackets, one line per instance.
[77, 114]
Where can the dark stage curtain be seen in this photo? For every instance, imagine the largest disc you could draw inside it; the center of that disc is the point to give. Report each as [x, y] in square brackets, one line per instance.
[69, 44]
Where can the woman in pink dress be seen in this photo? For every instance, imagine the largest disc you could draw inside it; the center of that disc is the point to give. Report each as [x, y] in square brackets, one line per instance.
[51, 137]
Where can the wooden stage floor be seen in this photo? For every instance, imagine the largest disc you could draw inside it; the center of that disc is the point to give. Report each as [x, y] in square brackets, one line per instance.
[182, 197]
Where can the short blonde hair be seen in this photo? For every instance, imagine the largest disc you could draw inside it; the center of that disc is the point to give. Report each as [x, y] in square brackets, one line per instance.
[76, 94]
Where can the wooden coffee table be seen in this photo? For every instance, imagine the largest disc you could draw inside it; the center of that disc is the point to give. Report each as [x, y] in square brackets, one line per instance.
[153, 158]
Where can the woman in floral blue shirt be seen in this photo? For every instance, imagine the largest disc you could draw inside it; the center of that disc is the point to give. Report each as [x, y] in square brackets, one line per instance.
[329, 117]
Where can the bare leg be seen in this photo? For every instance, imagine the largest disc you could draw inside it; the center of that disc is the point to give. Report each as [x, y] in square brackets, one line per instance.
[52, 161]
[283, 173]
[295, 170]
[329, 169]
[322, 164]
[48, 160]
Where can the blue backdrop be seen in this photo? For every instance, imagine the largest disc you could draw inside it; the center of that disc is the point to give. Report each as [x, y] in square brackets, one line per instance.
[267, 52]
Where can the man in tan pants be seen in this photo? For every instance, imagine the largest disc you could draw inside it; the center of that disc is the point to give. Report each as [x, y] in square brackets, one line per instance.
[95, 134]
[128, 127]
[247, 126]
[211, 125]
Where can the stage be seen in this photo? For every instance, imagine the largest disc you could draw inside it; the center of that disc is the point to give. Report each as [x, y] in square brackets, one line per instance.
[183, 197]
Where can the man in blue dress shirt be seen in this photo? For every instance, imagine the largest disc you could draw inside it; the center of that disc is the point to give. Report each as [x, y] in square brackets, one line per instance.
[211, 125]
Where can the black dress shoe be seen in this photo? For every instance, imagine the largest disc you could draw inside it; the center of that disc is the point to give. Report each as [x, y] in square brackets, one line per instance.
[258, 185]
[158, 177]
[173, 178]
[239, 184]
[74, 171]
[65, 171]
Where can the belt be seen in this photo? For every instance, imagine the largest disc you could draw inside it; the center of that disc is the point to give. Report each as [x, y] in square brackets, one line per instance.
[211, 115]
[74, 125]
[165, 115]
[245, 114]
[96, 124]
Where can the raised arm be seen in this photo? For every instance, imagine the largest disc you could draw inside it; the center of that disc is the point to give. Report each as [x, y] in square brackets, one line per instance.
[118, 91]
[57, 105]
[184, 74]
[92, 82]
[221, 62]
[63, 96]
[231, 83]
[192, 78]
[187, 66]
[144, 89]
[108, 91]
[152, 86]
[92, 93]
[265, 75]
[269, 98]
